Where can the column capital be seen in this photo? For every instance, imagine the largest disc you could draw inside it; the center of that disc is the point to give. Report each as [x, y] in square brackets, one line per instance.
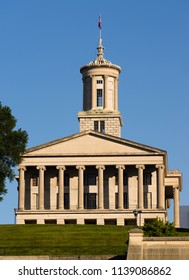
[175, 187]
[140, 166]
[41, 167]
[22, 167]
[102, 167]
[160, 166]
[119, 166]
[62, 167]
[80, 167]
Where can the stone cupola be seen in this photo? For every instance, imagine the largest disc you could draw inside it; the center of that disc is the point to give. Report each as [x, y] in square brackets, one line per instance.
[100, 96]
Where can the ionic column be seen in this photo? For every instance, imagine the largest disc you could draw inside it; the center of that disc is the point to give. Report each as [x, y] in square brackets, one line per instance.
[80, 186]
[61, 187]
[21, 200]
[140, 186]
[41, 186]
[120, 185]
[176, 207]
[161, 187]
[93, 91]
[105, 92]
[100, 186]
[115, 94]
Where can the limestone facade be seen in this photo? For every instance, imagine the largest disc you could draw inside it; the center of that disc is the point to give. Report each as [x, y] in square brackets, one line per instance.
[111, 124]
[92, 177]
[95, 176]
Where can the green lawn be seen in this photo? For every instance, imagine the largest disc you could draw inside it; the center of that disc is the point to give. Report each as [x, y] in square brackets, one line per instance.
[63, 239]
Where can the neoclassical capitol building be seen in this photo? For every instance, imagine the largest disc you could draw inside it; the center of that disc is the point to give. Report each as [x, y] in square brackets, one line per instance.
[95, 176]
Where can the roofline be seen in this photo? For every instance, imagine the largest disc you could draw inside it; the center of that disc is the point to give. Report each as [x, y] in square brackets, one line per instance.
[90, 66]
[99, 134]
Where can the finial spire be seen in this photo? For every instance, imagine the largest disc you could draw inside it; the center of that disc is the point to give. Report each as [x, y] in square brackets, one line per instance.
[100, 60]
[100, 47]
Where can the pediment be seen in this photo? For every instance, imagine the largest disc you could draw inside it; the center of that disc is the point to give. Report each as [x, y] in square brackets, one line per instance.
[91, 143]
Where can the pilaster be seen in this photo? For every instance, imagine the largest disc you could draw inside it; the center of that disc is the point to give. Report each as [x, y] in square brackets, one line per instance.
[105, 91]
[116, 94]
[93, 92]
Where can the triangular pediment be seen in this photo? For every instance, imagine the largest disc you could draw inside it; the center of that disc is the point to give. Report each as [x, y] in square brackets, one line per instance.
[91, 143]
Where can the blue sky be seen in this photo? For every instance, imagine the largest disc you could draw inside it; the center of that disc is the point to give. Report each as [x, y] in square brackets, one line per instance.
[43, 45]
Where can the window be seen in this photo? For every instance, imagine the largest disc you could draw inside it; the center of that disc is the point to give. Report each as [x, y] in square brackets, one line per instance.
[147, 179]
[125, 179]
[130, 222]
[91, 179]
[99, 126]
[95, 125]
[102, 128]
[66, 201]
[110, 222]
[50, 222]
[90, 222]
[66, 191]
[90, 201]
[99, 97]
[148, 221]
[125, 200]
[30, 222]
[66, 180]
[70, 222]
[116, 200]
[99, 81]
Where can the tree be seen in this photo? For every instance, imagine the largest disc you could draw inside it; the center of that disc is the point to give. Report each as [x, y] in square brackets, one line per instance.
[12, 145]
[159, 228]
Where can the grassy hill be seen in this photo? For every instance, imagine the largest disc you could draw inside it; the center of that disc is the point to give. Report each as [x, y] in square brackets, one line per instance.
[63, 240]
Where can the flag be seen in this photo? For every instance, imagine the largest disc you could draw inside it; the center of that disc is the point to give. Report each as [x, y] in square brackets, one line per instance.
[99, 23]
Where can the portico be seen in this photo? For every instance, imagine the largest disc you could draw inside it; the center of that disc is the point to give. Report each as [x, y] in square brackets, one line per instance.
[100, 187]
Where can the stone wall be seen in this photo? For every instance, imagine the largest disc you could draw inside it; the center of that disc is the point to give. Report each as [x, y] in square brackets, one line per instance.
[112, 124]
[156, 248]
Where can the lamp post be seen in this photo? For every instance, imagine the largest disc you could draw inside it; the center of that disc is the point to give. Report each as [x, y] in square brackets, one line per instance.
[136, 212]
[15, 209]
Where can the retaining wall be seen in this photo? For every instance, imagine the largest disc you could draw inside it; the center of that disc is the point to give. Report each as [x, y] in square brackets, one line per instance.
[156, 248]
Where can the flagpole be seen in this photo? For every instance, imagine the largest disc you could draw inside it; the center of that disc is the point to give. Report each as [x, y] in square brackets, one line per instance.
[100, 30]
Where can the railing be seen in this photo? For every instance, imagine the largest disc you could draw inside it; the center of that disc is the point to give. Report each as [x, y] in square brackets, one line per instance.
[62, 250]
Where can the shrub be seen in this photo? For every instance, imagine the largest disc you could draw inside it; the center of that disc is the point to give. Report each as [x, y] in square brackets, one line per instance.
[159, 228]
